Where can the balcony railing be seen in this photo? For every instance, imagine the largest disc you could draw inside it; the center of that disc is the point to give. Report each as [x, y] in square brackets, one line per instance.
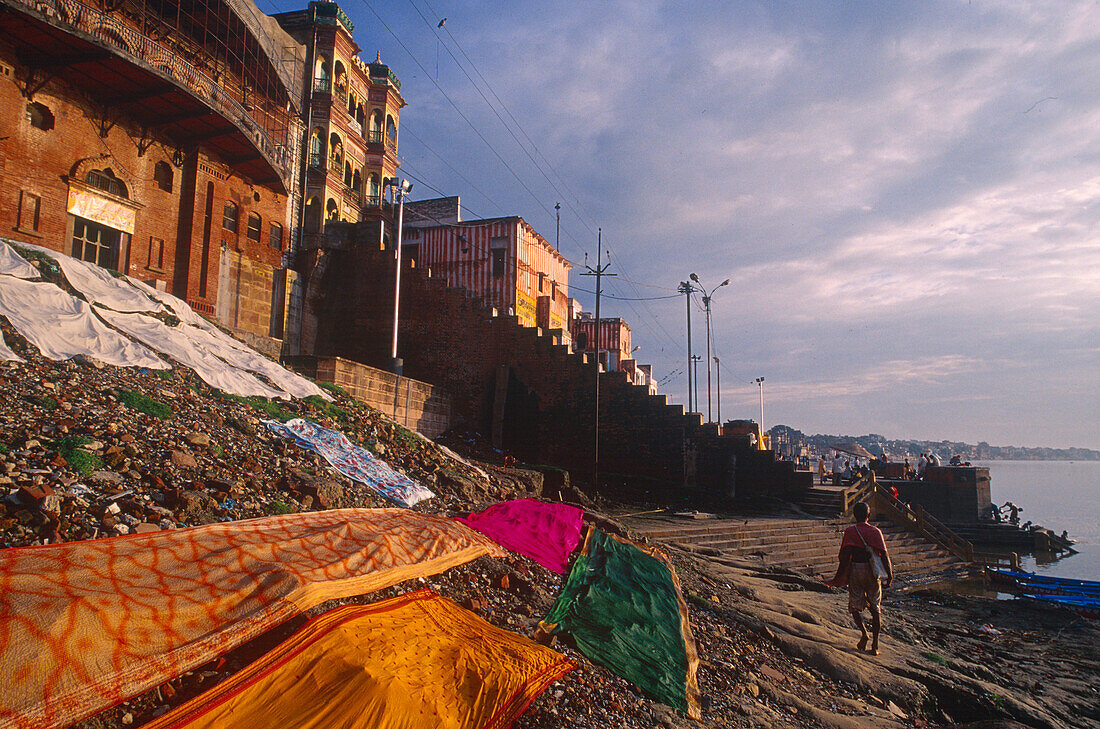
[353, 196]
[109, 31]
[317, 159]
[391, 145]
[322, 85]
[372, 200]
[336, 165]
[375, 136]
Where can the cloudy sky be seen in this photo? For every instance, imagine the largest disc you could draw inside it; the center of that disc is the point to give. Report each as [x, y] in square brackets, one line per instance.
[905, 196]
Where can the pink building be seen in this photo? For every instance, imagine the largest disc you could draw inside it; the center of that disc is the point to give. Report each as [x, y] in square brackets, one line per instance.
[504, 261]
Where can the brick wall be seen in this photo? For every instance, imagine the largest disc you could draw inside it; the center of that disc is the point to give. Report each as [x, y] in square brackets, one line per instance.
[171, 246]
[416, 405]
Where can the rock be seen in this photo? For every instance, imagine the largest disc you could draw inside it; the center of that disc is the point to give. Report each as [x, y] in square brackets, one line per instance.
[198, 439]
[197, 507]
[180, 459]
[145, 528]
[106, 478]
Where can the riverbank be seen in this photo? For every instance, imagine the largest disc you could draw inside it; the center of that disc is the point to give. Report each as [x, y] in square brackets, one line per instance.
[92, 451]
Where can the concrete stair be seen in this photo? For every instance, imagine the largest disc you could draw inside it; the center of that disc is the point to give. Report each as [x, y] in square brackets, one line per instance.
[809, 546]
[824, 500]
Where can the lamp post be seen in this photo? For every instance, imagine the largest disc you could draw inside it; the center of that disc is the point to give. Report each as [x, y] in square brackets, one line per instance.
[401, 189]
[718, 386]
[695, 365]
[760, 383]
[707, 297]
[686, 289]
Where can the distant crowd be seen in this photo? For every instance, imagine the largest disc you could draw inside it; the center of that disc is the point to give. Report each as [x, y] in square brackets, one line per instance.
[842, 470]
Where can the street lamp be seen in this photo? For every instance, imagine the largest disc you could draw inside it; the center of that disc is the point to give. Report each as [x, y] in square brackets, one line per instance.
[760, 382]
[718, 386]
[707, 297]
[401, 190]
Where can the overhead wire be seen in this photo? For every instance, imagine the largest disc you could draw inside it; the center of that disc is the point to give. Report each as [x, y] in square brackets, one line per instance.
[489, 103]
[458, 110]
[580, 205]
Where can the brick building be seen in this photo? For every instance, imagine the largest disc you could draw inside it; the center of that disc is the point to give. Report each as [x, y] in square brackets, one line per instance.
[157, 138]
[352, 110]
[502, 261]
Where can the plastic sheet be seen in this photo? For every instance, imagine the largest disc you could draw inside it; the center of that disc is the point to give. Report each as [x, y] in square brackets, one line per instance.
[622, 605]
[89, 624]
[62, 326]
[98, 286]
[417, 661]
[547, 533]
[12, 264]
[353, 461]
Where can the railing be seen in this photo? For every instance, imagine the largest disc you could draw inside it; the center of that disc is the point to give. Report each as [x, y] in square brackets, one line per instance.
[860, 490]
[353, 196]
[354, 124]
[374, 136]
[919, 520]
[322, 85]
[111, 32]
[336, 165]
[372, 200]
[391, 145]
[317, 159]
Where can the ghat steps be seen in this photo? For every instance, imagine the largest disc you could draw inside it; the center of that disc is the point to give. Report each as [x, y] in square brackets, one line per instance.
[805, 545]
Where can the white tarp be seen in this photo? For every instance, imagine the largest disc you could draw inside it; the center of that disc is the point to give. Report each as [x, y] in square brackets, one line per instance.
[178, 306]
[174, 343]
[100, 287]
[12, 264]
[63, 326]
[221, 344]
[6, 355]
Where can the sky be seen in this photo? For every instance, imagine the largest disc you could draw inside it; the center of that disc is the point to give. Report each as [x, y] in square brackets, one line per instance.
[905, 196]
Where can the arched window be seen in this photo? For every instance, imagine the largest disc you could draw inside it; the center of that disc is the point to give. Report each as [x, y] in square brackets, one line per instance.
[347, 174]
[162, 176]
[105, 180]
[230, 216]
[40, 116]
[317, 148]
[340, 81]
[377, 122]
[254, 224]
[359, 113]
[322, 79]
[275, 239]
[356, 181]
[351, 103]
[332, 210]
[391, 129]
[313, 215]
[336, 151]
[373, 191]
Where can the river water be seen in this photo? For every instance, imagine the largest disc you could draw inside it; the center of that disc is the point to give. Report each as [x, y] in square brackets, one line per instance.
[1058, 495]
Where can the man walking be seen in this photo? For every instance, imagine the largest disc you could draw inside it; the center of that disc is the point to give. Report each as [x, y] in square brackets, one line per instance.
[860, 542]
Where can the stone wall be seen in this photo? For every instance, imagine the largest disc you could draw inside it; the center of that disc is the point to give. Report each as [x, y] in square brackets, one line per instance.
[416, 405]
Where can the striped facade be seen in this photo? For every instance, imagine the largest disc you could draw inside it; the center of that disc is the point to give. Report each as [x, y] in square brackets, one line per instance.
[614, 338]
[503, 261]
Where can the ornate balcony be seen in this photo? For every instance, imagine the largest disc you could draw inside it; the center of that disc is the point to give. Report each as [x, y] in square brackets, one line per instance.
[162, 83]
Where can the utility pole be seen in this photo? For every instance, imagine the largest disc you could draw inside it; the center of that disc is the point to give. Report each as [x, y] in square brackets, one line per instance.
[557, 227]
[402, 189]
[686, 289]
[599, 272]
[718, 386]
[707, 298]
[760, 382]
[695, 366]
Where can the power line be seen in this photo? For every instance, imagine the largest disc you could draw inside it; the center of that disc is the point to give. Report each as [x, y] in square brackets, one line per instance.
[580, 205]
[457, 109]
[489, 103]
[453, 169]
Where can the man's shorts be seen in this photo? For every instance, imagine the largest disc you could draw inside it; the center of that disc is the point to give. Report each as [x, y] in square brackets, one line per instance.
[864, 589]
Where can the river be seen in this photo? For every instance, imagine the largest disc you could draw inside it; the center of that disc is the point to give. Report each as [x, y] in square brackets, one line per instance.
[1058, 495]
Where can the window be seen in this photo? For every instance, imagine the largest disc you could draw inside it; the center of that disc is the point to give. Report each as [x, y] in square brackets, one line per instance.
[39, 116]
[230, 216]
[96, 243]
[253, 231]
[275, 240]
[105, 180]
[498, 262]
[156, 254]
[162, 176]
[29, 204]
[542, 281]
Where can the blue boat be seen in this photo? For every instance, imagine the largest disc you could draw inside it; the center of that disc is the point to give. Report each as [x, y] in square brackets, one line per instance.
[1036, 584]
[1088, 607]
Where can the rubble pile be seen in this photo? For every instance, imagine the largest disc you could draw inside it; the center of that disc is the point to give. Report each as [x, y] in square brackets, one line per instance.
[90, 451]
